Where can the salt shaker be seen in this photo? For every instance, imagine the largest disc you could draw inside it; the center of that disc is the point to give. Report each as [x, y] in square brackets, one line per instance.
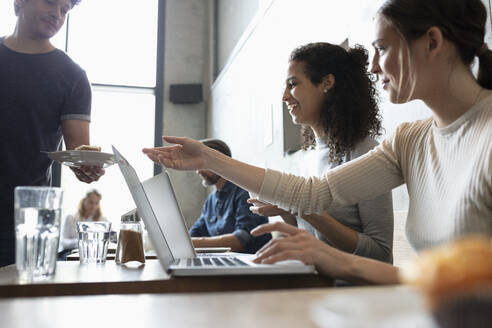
[130, 242]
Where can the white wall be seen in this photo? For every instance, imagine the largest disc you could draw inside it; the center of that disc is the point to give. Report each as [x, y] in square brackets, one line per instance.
[245, 103]
[232, 17]
[186, 61]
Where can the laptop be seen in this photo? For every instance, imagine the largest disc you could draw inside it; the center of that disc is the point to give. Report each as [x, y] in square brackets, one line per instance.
[157, 205]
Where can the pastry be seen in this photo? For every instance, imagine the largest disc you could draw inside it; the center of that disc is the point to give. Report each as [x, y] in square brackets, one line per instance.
[87, 147]
[456, 281]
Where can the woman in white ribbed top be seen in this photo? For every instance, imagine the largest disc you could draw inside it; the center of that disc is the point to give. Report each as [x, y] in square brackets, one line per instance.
[424, 50]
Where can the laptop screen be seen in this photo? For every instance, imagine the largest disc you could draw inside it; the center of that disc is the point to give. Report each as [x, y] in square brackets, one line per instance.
[160, 194]
[145, 210]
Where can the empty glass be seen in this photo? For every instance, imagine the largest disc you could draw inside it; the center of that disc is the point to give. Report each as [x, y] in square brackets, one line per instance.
[37, 230]
[93, 241]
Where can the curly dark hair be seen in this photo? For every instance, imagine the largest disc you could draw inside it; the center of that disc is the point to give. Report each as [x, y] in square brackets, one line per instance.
[74, 3]
[350, 112]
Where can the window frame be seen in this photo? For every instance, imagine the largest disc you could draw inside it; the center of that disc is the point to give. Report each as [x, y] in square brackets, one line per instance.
[157, 90]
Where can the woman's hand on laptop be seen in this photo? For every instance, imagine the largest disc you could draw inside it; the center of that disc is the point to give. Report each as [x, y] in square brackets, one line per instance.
[298, 244]
[185, 154]
[265, 209]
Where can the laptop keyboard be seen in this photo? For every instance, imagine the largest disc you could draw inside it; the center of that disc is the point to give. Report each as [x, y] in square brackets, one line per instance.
[222, 261]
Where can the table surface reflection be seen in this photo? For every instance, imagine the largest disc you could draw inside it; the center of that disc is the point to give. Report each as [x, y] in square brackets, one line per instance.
[396, 306]
[73, 278]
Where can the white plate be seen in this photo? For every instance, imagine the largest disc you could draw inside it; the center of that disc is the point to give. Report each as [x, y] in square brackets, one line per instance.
[77, 158]
[372, 307]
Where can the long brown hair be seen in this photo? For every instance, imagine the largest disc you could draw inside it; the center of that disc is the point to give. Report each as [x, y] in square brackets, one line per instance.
[350, 112]
[460, 21]
[98, 215]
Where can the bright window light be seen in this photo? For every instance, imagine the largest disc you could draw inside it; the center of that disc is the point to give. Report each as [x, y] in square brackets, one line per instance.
[7, 17]
[115, 41]
[125, 120]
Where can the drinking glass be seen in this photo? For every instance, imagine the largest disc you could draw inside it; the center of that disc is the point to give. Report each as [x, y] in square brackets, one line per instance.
[37, 230]
[93, 241]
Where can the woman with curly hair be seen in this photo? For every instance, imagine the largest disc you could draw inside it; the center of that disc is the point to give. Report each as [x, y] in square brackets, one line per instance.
[330, 93]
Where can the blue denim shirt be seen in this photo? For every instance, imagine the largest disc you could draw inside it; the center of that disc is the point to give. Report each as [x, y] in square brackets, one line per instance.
[226, 211]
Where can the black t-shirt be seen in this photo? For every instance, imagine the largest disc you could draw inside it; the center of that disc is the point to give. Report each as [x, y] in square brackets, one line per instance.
[37, 92]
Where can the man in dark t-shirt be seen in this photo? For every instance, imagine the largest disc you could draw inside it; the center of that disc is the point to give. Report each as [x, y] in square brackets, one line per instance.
[44, 95]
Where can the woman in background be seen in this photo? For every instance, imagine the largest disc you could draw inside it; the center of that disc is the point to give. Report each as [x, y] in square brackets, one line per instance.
[89, 210]
[329, 91]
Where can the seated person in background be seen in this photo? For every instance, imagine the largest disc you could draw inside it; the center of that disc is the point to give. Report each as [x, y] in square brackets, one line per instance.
[89, 210]
[226, 219]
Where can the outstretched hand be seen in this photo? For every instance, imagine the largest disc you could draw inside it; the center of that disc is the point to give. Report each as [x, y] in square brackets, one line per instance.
[185, 154]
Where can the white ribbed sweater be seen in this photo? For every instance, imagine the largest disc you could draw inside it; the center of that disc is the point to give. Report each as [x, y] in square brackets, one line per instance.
[448, 172]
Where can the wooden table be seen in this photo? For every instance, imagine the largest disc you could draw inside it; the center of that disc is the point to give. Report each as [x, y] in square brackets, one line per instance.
[72, 278]
[364, 307]
[75, 257]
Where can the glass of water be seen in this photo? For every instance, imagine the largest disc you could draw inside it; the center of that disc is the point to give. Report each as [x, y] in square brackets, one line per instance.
[37, 230]
[93, 241]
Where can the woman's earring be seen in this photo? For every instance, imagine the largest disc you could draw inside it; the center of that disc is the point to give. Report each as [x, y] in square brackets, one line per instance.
[325, 91]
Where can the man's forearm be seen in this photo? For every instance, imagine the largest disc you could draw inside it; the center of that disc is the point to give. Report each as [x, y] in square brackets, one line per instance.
[75, 133]
[227, 240]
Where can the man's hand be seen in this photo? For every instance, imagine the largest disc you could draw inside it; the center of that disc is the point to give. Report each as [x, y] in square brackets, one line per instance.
[226, 240]
[88, 174]
[76, 134]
